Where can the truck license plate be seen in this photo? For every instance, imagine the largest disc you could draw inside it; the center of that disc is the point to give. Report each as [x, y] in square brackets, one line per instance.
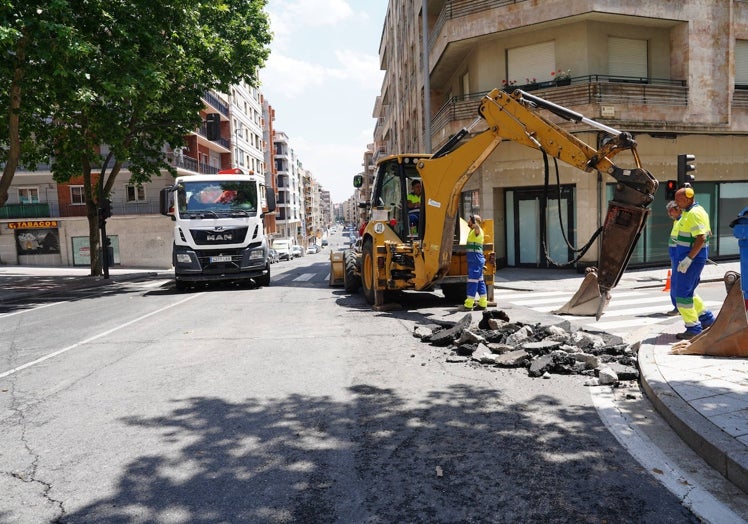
[222, 258]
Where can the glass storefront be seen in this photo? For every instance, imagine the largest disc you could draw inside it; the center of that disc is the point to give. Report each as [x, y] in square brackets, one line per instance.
[722, 201]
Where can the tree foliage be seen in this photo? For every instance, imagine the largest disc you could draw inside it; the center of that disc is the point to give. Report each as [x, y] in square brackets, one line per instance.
[127, 75]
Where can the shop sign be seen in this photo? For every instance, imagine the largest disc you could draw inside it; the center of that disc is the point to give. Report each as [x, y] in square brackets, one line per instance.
[32, 224]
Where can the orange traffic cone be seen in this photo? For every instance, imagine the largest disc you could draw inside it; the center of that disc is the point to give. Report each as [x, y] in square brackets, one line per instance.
[667, 282]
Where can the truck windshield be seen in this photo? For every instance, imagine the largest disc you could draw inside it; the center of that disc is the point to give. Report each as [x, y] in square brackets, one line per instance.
[221, 198]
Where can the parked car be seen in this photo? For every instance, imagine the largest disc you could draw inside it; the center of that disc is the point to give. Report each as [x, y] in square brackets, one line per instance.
[273, 256]
[324, 242]
[297, 251]
[312, 249]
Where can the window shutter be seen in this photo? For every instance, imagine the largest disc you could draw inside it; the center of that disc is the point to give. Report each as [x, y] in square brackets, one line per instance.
[533, 61]
[741, 62]
[627, 57]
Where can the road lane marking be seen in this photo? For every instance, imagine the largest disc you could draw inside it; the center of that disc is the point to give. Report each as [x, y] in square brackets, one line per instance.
[304, 277]
[95, 337]
[6, 315]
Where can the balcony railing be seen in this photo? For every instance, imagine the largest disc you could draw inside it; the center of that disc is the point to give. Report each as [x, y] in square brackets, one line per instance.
[55, 209]
[216, 102]
[36, 210]
[459, 8]
[191, 164]
[203, 132]
[592, 89]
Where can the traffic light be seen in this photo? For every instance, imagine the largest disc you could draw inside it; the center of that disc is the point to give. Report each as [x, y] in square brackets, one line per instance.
[213, 122]
[105, 210]
[684, 168]
[670, 188]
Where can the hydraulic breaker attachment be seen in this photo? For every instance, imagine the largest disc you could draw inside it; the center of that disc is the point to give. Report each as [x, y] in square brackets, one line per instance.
[728, 336]
[623, 226]
[589, 300]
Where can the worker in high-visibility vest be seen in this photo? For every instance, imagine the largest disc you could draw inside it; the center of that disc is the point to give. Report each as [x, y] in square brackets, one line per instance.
[475, 261]
[692, 250]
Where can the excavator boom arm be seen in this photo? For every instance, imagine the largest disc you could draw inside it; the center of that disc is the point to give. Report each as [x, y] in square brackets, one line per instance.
[515, 117]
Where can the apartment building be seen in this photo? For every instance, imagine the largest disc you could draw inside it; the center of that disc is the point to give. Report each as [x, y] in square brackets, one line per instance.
[44, 223]
[288, 213]
[674, 74]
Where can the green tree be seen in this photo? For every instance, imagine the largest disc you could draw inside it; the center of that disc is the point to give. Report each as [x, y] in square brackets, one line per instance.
[135, 81]
[32, 36]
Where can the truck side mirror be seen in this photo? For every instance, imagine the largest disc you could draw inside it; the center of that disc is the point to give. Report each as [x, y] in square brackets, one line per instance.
[358, 181]
[164, 201]
[270, 197]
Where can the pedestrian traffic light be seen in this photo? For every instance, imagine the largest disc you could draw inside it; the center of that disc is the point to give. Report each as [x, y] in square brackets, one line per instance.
[213, 122]
[684, 168]
[670, 188]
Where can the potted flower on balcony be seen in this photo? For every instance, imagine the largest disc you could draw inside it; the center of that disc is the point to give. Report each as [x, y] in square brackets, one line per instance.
[508, 85]
[561, 77]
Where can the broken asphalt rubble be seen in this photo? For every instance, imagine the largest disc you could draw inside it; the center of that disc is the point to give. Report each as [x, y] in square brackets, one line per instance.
[541, 349]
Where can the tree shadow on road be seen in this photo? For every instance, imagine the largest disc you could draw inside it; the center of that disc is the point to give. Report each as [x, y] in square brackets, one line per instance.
[459, 455]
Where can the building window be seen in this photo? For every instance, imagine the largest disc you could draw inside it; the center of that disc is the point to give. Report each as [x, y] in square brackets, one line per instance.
[135, 193]
[77, 196]
[627, 58]
[28, 195]
[741, 63]
[531, 64]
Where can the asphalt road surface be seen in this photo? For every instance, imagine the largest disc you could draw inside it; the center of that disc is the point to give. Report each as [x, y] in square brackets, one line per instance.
[292, 403]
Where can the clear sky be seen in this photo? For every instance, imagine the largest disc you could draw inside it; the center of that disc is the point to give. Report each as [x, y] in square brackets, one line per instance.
[323, 78]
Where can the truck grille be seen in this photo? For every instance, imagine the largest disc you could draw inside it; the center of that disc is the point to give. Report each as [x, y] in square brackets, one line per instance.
[217, 237]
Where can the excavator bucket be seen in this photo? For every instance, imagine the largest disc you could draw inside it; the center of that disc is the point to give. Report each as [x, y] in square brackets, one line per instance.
[588, 300]
[623, 226]
[728, 336]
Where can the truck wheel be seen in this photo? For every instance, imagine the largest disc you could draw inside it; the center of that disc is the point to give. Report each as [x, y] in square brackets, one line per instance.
[265, 279]
[180, 285]
[373, 296]
[454, 293]
[351, 272]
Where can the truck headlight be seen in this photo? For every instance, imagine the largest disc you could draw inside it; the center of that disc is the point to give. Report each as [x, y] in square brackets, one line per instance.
[183, 258]
[256, 254]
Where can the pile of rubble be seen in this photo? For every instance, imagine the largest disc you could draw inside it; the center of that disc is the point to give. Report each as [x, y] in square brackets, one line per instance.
[541, 349]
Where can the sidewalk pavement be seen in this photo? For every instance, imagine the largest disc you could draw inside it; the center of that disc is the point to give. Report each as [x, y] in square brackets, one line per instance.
[704, 399]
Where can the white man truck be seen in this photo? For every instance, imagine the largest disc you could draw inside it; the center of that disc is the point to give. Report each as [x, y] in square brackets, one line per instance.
[219, 233]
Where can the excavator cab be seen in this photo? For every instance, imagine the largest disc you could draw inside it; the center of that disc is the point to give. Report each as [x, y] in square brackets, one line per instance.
[398, 195]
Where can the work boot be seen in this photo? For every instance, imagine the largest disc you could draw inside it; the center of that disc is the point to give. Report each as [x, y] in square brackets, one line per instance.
[482, 303]
[689, 333]
[673, 312]
[706, 319]
[469, 303]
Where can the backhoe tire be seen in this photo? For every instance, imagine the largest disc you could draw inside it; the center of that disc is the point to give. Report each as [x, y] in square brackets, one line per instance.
[454, 293]
[368, 275]
[351, 272]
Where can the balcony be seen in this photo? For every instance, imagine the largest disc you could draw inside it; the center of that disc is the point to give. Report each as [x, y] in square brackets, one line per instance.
[37, 210]
[203, 132]
[214, 101]
[453, 9]
[191, 164]
[595, 90]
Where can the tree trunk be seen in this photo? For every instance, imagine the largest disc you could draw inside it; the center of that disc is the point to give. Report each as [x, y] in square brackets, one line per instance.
[14, 122]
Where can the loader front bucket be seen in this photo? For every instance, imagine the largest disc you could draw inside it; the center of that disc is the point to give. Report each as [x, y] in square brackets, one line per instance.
[728, 336]
[589, 300]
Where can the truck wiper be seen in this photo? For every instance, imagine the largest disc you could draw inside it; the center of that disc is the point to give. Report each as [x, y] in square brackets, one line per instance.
[239, 213]
[208, 212]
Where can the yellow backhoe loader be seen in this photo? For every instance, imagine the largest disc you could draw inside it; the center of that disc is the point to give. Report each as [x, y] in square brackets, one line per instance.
[396, 254]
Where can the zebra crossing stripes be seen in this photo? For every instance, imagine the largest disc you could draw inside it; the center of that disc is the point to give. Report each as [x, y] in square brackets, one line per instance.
[627, 309]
